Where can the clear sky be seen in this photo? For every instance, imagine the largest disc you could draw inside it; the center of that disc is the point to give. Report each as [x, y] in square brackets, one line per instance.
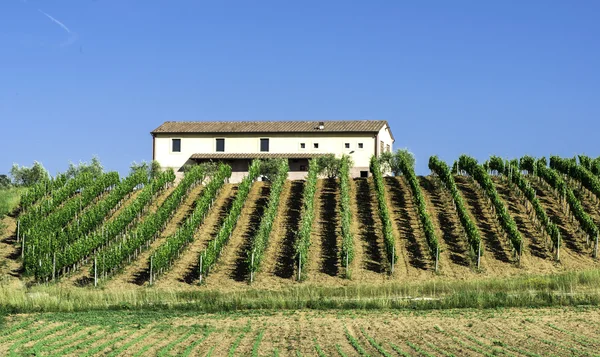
[83, 77]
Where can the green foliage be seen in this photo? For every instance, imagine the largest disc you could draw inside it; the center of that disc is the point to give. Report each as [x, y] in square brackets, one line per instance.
[513, 173]
[173, 245]
[405, 162]
[44, 236]
[113, 256]
[211, 254]
[269, 168]
[395, 161]
[46, 187]
[9, 200]
[442, 170]
[329, 165]
[29, 176]
[307, 215]
[94, 168]
[470, 165]
[384, 214]
[5, 182]
[260, 240]
[83, 247]
[355, 343]
[552, 177]
[346, 213]
[576, 172]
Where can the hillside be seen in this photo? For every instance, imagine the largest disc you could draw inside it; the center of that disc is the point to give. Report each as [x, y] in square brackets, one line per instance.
[325, 263]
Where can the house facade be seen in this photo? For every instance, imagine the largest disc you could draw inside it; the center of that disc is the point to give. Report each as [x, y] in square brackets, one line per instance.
[176, 144]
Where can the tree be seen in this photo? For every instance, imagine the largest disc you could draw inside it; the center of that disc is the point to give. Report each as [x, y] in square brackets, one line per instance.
[95, 168]
[28, 176]
[329, 165]
[4, 182]
[391, 161]
[142, 166]
[269, 168]
[155, 169]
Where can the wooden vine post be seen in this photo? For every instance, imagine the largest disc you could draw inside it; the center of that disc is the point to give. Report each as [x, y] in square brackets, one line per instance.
[200, 270]
[299, 265]
[252, 268]
[151, 260]
[95, 271]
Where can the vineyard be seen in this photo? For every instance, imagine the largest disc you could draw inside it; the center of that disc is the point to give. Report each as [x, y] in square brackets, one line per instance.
[467, 220]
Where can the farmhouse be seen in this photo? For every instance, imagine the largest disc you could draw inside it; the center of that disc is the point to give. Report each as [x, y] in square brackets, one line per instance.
[175, 144]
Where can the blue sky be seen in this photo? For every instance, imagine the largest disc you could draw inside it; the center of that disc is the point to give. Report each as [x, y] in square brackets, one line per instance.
[94, 77]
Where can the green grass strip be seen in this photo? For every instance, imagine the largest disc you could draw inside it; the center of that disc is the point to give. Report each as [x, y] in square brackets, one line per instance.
[355, 344]
[439, 350]
[36, 349]
[236, 344]
[15, 346]
[210, 352]
[419, 349]
[319, 350]
[130, 343]
[107, 344]
[191, 347]
[399, 350]
[339, 349]
[80, 345]
[165, 350]
[376, 345]
[143, 351]
[256, 344]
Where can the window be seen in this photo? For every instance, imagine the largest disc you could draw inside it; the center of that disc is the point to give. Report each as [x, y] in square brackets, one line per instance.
[176, 145]
[364, 174]
[264, 145]
[302, 146]
[220, 145]
[360, 145]
[387, 148]
[347, 145]
[381, 147]
[316, 145]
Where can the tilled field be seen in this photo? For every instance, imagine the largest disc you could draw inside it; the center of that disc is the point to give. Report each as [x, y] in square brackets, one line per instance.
[510, 332]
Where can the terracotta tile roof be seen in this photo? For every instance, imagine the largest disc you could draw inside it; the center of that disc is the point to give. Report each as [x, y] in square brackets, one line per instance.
[258, 155]
[355, 126]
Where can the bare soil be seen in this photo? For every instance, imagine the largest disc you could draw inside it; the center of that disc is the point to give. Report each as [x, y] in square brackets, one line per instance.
[137, 272]
[184, 270]
[232, 268]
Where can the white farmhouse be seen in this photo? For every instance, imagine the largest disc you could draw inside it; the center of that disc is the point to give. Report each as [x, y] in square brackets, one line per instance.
[175, 144]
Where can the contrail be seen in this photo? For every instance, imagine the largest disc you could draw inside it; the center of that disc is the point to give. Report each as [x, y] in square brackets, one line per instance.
[56, 21]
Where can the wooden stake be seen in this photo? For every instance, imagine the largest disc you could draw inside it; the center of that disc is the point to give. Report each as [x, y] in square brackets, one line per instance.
[151, 269]
[95, 271]
[18, 229]
[252, 268]
[299, 266]
[200, 268]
